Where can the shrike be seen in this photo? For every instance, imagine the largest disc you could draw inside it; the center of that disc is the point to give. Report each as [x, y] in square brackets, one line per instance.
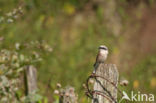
[101, 56]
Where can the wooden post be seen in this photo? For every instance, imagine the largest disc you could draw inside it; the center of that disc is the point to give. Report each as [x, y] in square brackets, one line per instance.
[106, 85]
[31, 79]
[68, 95]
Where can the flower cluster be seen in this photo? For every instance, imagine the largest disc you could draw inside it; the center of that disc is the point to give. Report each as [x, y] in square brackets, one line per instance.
[12, 15]
[12, 64]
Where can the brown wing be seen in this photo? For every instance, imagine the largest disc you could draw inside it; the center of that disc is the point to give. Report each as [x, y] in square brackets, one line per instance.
[97, 58]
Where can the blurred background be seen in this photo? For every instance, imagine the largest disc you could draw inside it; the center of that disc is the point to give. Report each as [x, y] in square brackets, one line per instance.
[73, 30]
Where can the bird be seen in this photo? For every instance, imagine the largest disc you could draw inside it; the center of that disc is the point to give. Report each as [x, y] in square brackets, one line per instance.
[101, 56]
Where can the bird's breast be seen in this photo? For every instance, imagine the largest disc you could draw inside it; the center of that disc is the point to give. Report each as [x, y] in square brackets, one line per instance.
[102, 57]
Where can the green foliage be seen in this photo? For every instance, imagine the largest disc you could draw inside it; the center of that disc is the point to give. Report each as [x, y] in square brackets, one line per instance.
[34, 97]
[74, 51]
[12, 64]
[145, 69]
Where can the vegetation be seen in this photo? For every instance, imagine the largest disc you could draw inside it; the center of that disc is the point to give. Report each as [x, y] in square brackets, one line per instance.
[61, 39]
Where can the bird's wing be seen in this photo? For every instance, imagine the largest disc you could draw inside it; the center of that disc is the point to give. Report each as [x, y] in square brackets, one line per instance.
[97, 58]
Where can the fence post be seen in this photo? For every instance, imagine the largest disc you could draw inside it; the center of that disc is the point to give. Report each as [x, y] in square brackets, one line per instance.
[106, 85]
[68, 95]
[30, 79]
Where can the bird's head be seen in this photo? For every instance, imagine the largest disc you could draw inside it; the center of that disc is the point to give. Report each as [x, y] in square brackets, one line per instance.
[103, 48]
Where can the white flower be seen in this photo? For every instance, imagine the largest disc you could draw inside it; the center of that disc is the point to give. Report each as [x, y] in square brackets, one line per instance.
[58, 85]
[1, 19]
[56, 92]
[124, 82]
[17, 45]
[10, 20]
[9, 14]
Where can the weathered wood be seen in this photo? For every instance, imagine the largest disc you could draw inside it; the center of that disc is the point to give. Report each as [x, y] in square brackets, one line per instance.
[110, 73]
[68, 95]
[31, 79]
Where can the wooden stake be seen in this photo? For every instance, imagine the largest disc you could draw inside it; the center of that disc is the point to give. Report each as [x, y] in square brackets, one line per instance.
[105, 86]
